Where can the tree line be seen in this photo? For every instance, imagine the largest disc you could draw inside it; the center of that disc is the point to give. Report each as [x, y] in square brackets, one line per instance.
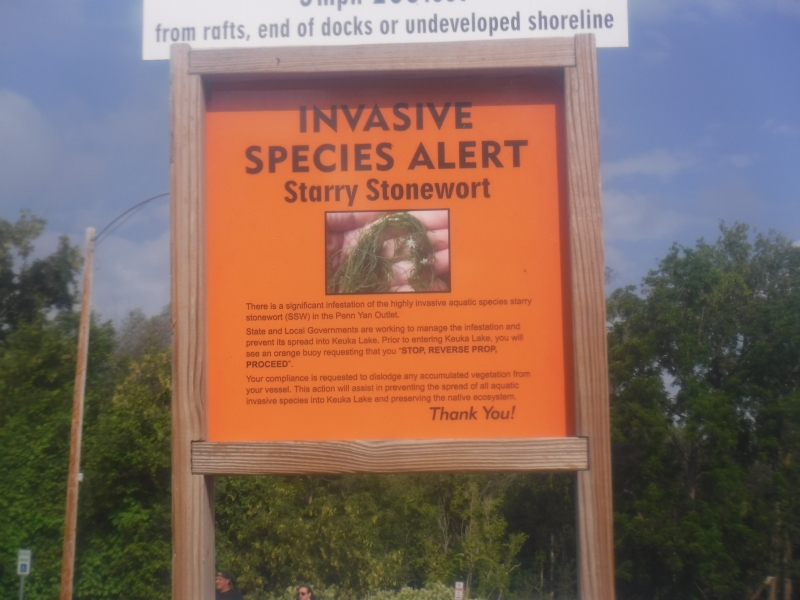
[704, 362]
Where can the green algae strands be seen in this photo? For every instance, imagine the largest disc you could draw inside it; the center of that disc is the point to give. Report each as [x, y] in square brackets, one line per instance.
[368, 269]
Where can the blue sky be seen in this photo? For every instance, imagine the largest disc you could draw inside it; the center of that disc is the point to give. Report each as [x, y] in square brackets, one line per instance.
[700, 121]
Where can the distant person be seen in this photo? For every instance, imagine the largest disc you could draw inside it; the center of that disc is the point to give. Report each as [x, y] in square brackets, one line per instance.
[225, 589]
[305, 592]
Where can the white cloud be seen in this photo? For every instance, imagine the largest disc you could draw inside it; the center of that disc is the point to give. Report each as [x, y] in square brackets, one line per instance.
[623, 267]
[773, 126]
[33, 159]
[131, 274]
[731, 199]
[657, 163]
[694, 10]
[740, 161]
[52, 163]
[628, 217]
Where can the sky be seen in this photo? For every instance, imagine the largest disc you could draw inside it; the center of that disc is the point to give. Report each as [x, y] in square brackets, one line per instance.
[700, 123]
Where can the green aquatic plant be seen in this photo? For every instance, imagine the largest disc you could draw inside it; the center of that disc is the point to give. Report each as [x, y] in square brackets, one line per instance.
[367, 269]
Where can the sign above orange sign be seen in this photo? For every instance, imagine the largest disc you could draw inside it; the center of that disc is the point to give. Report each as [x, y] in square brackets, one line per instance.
[387, 262]
[249, 24]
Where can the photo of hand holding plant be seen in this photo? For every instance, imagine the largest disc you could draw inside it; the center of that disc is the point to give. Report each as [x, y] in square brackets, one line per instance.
[386, 252]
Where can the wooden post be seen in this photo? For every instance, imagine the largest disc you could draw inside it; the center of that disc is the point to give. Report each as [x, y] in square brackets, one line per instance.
[71, 520]
[594, 506]
[193, 534]
[192, 495]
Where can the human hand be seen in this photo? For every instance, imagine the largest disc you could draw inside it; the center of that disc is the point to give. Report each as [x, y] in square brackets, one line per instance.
[400, 251]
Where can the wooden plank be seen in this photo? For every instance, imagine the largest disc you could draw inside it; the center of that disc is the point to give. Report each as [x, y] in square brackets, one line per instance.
[192, 495]
[595, 517]
[393, 58]
[389, 456]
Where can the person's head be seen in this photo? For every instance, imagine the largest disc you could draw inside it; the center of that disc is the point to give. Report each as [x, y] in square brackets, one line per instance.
[223, 581]
[305, 592]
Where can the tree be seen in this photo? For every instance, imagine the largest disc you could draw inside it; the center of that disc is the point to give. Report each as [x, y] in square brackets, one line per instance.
[37, 374]
[38, 338]
[705, 366]
[29, 290]
[125, 512]
[365, 533]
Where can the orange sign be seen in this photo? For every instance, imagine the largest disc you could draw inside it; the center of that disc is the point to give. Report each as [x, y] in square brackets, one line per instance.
[387, 261]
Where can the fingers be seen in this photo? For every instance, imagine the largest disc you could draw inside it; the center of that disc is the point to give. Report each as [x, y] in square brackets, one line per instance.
[432, 219]
[403, 270]
[345, 221]
[333, 243]
[345, 229]
[438, 286]
[440, 239]
[441, 263]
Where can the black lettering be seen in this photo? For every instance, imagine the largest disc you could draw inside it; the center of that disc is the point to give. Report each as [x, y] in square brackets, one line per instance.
[318, 158]
[320, 116]
[376, 120]
[443, 191]
[439, 118]
[421, 159]
[443, 164]
[405, 120]
[352, 120]
[462, 114]
[464, 153]
[516, 145]
[289, 187]
[298, 158]
[374, 194]
[361, 155]
[380, 150]
[277, 154]
[489, 151]
[258, 164]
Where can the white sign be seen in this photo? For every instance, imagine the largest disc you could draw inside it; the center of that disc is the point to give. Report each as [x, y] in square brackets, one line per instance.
[256, 23]
[23, 562]
[459, 595]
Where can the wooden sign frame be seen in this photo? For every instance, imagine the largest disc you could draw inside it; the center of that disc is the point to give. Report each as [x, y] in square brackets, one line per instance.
[196, 461]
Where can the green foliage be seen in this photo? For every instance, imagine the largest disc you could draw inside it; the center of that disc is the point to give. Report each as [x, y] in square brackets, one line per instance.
[38, 334]
[705, 366]
[125, 512]
[366, 269]
[140, 335]
[28, 291]
[432, 591]
[543, 506]
[37, 373]
[366, 533]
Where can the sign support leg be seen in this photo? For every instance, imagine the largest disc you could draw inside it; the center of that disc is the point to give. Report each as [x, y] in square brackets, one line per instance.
[594, 504]
[192, 495]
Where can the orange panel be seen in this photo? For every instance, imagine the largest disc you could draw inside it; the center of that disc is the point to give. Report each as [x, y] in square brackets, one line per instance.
[479, 353]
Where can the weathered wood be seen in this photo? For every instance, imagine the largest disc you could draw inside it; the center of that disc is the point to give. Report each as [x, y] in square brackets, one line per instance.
[192, 495]
[389, 456]
[387, 59]
[76, 435]
[595, 525]
[195, 460]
